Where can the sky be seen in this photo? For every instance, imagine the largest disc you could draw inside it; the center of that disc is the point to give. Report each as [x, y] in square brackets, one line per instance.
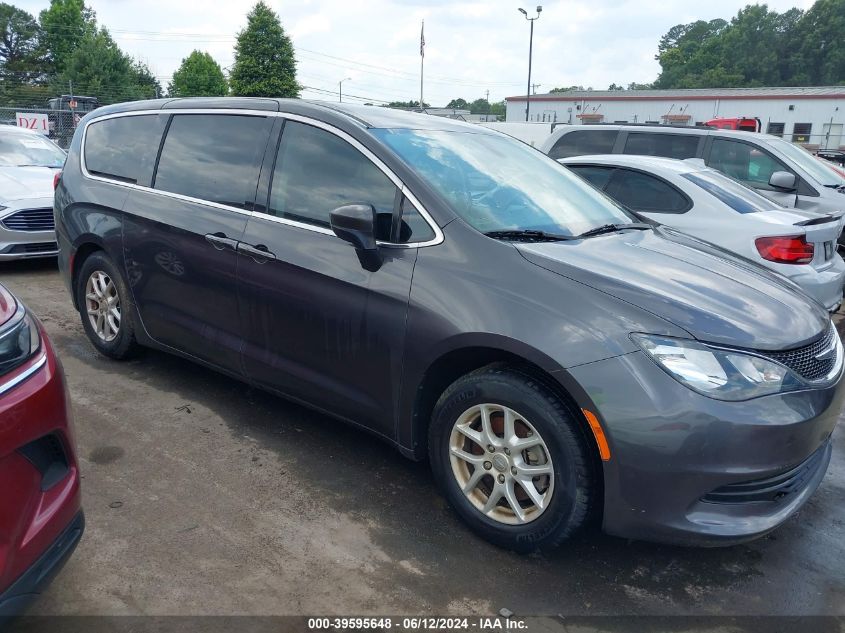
[471, 47]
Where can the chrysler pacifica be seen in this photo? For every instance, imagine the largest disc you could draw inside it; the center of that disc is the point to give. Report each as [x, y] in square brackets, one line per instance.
[560, 362]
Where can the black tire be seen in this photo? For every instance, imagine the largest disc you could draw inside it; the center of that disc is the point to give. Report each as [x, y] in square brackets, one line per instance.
[575, 498]
[124, 344]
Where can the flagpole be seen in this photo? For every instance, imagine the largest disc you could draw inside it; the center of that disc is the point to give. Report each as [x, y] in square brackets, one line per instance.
[422, 61]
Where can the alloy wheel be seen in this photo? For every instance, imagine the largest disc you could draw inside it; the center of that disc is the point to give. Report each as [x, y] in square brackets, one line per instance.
[103, 305]
[501, 464]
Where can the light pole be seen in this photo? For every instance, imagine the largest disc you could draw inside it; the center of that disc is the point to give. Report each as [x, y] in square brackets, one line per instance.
[340, 88]
[530, 51]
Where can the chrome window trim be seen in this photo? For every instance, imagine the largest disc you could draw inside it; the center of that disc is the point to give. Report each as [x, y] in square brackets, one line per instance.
[24, 375]
[438, 233]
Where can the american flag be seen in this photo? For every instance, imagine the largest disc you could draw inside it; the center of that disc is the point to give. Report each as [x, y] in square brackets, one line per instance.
[422, 40]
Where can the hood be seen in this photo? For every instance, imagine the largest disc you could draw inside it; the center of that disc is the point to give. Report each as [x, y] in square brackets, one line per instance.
[713, 295]
[17, 183]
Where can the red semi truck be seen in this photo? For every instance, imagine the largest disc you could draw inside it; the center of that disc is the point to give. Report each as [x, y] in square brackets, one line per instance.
[745, 124]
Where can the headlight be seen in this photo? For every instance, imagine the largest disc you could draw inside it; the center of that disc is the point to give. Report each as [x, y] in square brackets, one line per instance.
[719, 374]
[18, 343]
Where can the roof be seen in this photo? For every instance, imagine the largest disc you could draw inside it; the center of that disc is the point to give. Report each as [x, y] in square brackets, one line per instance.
[653, 163]
[818, 92]
[360, 115]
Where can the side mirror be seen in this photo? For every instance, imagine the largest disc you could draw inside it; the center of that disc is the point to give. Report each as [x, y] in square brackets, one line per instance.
[783, 180]
[356, 224]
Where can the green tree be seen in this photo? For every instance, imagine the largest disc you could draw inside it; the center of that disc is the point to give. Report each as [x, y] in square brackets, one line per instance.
[566, 89]
[614, 86]
[458, 104]
[265, 65]
[100, 69]
[18, 40]
[64, 25]
[479, 106]
[406, 104]
[820, 44]
[198, 76]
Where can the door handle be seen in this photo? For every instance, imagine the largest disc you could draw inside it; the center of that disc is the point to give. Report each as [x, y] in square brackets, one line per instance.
[259, 252]
[220, 241]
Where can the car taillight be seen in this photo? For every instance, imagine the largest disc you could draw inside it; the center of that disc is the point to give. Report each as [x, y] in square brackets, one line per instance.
[788, 249]
[56, 177]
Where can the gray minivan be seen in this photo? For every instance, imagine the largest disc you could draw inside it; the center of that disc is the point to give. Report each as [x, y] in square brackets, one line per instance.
[466, 299]
[778, 169]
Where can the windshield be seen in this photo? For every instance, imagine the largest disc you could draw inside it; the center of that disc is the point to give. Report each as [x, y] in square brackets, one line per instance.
[496, 183]
[823, 174]
[19, 149]
[734, 194]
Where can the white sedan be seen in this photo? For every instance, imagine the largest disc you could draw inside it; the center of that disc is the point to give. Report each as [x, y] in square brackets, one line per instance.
[28, 164]
[713, 207]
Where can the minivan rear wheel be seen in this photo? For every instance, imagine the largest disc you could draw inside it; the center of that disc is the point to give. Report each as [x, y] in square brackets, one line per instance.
[512, 459]
[104, 305]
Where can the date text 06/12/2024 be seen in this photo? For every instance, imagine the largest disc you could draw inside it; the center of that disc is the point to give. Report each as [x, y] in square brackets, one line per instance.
[410, 623]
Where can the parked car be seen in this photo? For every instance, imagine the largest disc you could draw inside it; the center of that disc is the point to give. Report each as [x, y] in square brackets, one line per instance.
[29, 164]
[707, 204]
[41, 519]
[776, 168]
[463, 297]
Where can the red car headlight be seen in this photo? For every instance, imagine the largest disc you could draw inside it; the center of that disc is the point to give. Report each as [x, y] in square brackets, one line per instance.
[19, 341]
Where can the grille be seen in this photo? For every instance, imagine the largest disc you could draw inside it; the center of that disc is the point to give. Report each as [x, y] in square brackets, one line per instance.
[38, 247]
[803, 360]
[771, 488]
[31, 220]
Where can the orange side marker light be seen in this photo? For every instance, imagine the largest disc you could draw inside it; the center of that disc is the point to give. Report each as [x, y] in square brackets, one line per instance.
[598, 432]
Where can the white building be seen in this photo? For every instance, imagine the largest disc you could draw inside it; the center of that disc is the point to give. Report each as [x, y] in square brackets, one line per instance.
[811, 116]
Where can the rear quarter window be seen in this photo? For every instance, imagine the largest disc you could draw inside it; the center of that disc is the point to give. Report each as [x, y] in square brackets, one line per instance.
[584, 142]
[124, 148]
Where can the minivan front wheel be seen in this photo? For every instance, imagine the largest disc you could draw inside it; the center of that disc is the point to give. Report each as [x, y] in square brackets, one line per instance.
[103, 299]
[512, 459]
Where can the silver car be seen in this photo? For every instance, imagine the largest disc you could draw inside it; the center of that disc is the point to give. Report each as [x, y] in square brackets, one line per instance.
[707, 204]
[28, 165]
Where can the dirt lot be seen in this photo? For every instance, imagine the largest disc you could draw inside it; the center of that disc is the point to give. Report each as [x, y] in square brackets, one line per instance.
[204, 496]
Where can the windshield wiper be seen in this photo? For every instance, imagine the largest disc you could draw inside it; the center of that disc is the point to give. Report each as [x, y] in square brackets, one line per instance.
[528, 234]
[613, 228]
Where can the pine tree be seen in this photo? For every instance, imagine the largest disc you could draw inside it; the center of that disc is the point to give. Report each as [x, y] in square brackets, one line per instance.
[265, 65]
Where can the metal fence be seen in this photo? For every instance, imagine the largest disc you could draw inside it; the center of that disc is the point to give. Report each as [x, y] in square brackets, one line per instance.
[59, 125]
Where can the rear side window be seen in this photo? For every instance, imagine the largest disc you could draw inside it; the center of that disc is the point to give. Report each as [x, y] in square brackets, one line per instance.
[737, 196]
[661, 144]
[641, 192]
[124, 148]
[596, 176]
[583, 142]
[317, 171]
[213, 157]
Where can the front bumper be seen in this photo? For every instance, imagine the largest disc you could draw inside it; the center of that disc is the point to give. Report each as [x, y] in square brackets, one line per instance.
[34, 580]
[673, 451]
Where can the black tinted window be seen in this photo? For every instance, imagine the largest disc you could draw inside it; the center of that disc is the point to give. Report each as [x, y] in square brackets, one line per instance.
[316, 172]
[213, 157]
[583, 142]
[596, 176]
[642, 192]
[124, 148]
[661, 144]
